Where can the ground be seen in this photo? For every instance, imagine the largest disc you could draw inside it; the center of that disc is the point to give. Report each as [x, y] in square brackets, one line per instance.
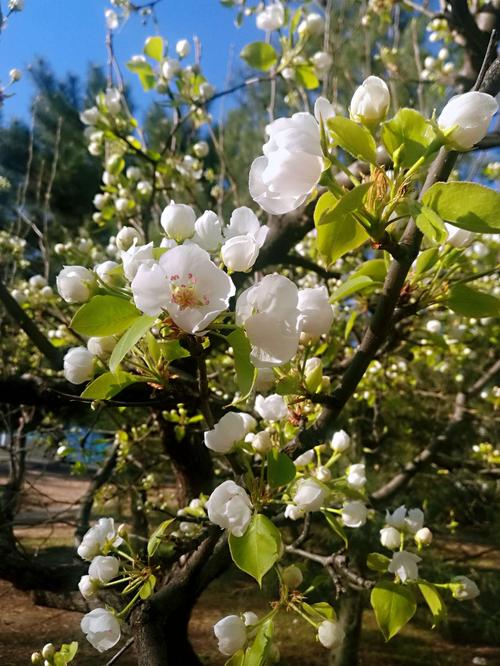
[25, 627]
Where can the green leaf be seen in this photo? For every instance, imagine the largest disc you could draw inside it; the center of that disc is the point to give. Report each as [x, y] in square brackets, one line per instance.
[258, 549]
[154, 48]
[394, 606]
[104, 315]
[407, 136]
[156, 538]
[351, 286]
[172, 350]
[377, 562]
[434, 601]
[289, 385]
[66, 654]
[238, 659]
[336, 526]
[466, 205]
[108, 385]
[471, 303]
[246, 372]
[321, 609]
[257, 654]
[429, 223]
[306, 77]
[353, 138]
[426, 260]
[147, 587]
[351, 202]
[129, 339]
[336, 234]
[145, 73]
[373, 268]
[280, 469]
[259, 55]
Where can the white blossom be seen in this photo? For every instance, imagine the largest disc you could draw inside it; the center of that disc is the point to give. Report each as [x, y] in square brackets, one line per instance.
[102, 629]
[244, 222]
[169, 68]
[458, 237]
[356, 476]
[250, 618]
[354, 514]
[104, 568]
[433, 326]
[262, 442]
[464, 589]
[323, 109]
[229, 430]
[309, 495]
[272, 408]
[316, 313]
[313, 24]
[107, 272]
[183, 48]
[390, 538]
[78, 365]
[111, 19]
[467, 117]
[229, 507]
[102, 347]
[396, 519]
[201, 149]
[330, 634]
[208, 231]
[113, 101]
[75, 284]
[294, 512]
[414, 521]
[271, 17]
[404, 565]
[87, 587]
[239, 253]
[322, 62]
[136, 256]
[187, 284]
[281, 180]
[423, 536]
[304, 459]
[231, 634]
[370, 102]
[268, 311]
[102, 535]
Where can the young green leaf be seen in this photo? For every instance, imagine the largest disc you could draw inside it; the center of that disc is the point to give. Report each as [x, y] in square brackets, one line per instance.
[472, 303]
[430, 224]
[377, 562]
[394, 606]
[280, 469]
[257, 654]
[246, 372]
[156, 538]
[147, 587]
[407, 136]
[337, 234]
[352, 286]
[104, 315]
[434, 600]
[259, 55]
[466, 205]
[353, 138]
[108, 385]
[129, 339]
[336, 526]
[306, 77]
[258, 549]
[154, 48]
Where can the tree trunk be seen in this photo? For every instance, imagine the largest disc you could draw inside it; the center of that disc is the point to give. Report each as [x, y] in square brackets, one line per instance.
[350, 616]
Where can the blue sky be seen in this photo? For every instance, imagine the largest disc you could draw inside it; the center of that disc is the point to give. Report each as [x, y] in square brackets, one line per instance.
[70, 35]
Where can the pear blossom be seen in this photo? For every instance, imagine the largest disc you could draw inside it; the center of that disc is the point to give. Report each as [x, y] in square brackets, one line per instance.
[271, 408]
[240, 253]
[229, 507]
[107, 272]
[178, 221]
[354, 514]
[309, 495]
[467, 118]
[78, 365]
[304, 459]
[322, 62]
[316, 313]
[370, 102]
[113, 101]
[340, 441]
[433, 326]
[250, 618]
[244, 222]
[313, 24]
[101, 347]
[423, 537]
[136, 256]
[111, 19]
[404, 565]
[397, 518]
[208, 231]
[323, 474]
[87, 587]
[330, 634]
[229, 430]
[281, 180]
[201, 149]
[187, 284]
[102, 535]
[104, 568]
[271, 17]
[101, 628]
[313, 373]
[390, 538]
[268, 311]
[458, 237]
[231, 634]
[262, 442]
[264, 380]
[464, 589]
[356, 477]
[323, 109]
[90, 116]
[170, 68]
[414, 521]
[182, 48]
[294, 512]
[75, 284]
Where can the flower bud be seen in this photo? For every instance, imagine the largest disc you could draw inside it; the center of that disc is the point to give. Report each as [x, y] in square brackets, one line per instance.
[87, 587]
[169, 68]
[239, 253]
[107, 272]
[464, 589]
[313, 24]
[101, 347]
[101, 628]
[390, 538]
[126, 237]
[48, 651]
[322, 62]
[304, 459]
[323, 474]
[423, 537]
[78, 365]
[75, 284]
[313, 373]
[292, 577]
[330, 634]
[104, 568]
[144, 188]
[182, 48]
[340, 441]
[36, 658]
[262, 442]
[466, 119]
[433, 326]
[309, 495]
[250, 618]
[15, 75]
[370, 102]
[200, 149]
[231, 634]
[178, 221]
[271, 17]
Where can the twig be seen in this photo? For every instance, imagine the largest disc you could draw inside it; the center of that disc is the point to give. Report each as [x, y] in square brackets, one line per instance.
[123, 649]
